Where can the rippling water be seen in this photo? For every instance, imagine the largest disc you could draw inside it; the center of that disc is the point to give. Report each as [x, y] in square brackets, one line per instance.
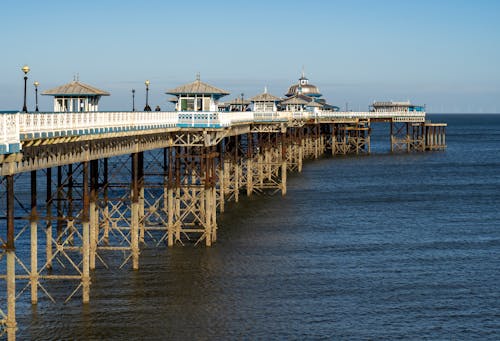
[380, 247]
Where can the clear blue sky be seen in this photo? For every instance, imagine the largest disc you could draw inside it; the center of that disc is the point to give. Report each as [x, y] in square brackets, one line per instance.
[442, 53]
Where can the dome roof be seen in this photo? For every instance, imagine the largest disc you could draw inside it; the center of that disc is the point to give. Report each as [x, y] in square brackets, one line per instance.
[303, 87]
[307, 89]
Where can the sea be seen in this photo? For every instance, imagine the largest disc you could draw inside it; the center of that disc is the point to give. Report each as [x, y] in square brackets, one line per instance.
[388, 246]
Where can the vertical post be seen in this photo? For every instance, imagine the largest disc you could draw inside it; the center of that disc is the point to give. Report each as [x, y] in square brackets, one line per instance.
[368, 137]
[178, 152]
[283, 164]
[170, 199]
[301, 148]
[208, 194]
[48, 228]
[10, 322]
[134, 224]
[392, 135]
[34, 242]
[70, 198]
[316, 138]
[203, 182]
[142, 222]
[105, 199]
[85, 234]
[214, 196]
[408, 142]
[59, 224]
[94, 224]
[222, 175]
[236, 171]
[261, 164]
[249, 164]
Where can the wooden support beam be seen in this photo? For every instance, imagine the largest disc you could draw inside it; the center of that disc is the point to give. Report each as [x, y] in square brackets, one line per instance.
[48, 223]
[283, 164]
[134, 223]
[93, 212]
[141, 201]
[105, 213]
[85, 234]
[34, 241]
[10, 321]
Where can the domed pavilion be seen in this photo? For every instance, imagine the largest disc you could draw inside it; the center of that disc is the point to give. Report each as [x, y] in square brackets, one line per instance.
[304, 88]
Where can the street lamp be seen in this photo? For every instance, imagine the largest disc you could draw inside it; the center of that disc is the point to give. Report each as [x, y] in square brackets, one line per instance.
[25, 69]
[147, 107]
[242, 94]
[133, 99]
[36, 84]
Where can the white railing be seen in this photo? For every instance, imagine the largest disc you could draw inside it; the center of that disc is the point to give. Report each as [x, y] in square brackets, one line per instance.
[9, 133]
[410, 116]
[15, 127]
[88, 122]
[212, 119]
[230, 118]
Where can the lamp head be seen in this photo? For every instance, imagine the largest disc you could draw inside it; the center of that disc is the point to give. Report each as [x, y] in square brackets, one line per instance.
[25, 69]
[36, 84]
[147, 83]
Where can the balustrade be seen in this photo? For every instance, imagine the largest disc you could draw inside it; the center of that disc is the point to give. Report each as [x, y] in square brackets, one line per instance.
[16, 127]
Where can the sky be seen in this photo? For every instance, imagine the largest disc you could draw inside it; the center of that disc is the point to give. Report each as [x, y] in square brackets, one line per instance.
[441, 53]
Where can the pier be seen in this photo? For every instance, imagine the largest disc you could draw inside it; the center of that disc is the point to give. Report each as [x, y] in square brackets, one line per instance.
[80, 187]
[63, 189]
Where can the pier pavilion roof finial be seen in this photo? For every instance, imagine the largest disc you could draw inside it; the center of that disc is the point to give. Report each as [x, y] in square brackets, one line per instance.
[197, 76]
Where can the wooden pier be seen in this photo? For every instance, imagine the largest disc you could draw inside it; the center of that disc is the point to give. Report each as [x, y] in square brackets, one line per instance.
[83, 186]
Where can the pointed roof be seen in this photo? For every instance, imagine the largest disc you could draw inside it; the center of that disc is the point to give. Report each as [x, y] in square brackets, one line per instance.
[238, 101]
[197, 88]
[265, 97]
[297, 99]
[75, 88]
[314, 104]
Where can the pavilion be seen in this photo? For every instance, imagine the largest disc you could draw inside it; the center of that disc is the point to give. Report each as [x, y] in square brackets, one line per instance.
[75, 97]
[196, 96]
[265, 102]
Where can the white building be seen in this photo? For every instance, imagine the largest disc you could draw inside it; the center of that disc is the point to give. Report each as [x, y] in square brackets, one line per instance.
[196, 96]
[265, 102]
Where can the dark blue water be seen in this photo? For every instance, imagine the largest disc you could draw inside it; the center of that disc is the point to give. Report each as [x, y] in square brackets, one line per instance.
[380, 247]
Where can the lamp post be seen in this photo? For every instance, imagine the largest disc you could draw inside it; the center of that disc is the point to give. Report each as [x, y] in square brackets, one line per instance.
[36, 84]
[25, 69]
[147, 107]
[133, 99]
[242, 94]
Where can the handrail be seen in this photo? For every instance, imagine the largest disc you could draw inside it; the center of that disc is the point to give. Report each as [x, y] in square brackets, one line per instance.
[9, 133]
[15, 127]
